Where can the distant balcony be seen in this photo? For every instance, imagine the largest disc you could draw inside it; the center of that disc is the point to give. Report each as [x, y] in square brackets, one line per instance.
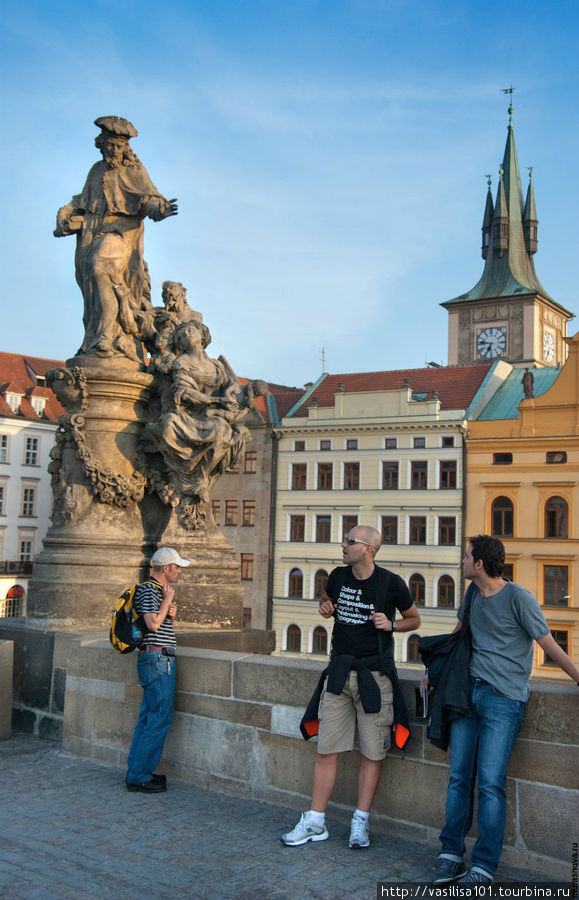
[16, 567]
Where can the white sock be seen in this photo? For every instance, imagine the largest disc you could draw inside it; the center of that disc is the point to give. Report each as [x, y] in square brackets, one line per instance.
[317, 818]
[362, 815]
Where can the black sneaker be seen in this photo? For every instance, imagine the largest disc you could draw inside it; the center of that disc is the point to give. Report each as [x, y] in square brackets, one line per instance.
[477, 877]
[449, 870]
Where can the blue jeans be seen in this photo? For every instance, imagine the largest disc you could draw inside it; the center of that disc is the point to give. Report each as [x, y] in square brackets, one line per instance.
[157, 678]
[480, 746]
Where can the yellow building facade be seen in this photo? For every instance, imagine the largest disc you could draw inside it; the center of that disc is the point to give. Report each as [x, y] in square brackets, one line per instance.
[523, 487]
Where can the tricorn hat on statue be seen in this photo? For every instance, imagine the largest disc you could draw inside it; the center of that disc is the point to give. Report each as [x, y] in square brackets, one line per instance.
[117, 125]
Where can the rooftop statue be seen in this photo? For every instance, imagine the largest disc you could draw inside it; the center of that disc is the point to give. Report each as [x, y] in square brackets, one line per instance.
[107, 218]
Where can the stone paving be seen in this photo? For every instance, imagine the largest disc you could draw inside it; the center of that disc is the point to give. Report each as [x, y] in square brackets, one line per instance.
[69, 829]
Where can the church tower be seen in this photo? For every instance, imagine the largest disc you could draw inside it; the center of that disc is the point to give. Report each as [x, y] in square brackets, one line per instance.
[508, 314]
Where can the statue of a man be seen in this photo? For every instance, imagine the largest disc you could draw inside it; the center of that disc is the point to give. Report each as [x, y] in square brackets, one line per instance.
[107, 218]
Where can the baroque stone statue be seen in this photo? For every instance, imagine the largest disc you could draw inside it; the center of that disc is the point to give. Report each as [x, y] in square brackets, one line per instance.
[107, 218]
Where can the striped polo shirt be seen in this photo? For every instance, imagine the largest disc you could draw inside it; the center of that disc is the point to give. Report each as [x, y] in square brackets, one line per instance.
[148, 599]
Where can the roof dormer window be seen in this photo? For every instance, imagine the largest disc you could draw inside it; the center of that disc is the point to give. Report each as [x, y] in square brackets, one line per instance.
[13, 401]
[38, 404]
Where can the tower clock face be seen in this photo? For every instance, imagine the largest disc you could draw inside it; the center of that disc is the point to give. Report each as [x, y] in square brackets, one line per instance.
[492, 342]
[548, 347]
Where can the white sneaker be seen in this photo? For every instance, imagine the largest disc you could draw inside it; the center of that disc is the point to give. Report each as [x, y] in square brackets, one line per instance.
[359, 833]
[305, 831]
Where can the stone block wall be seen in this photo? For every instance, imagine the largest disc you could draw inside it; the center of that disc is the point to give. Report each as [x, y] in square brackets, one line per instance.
[236, 729]
[6, 681]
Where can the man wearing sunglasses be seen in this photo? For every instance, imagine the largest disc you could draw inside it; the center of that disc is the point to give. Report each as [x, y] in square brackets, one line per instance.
[361, 678]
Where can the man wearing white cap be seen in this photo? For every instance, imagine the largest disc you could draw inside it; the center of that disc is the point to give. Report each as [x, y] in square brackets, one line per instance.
[156, 668]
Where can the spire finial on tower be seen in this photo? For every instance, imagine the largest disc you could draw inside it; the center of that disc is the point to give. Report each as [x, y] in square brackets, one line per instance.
[510, 110]
[531, 170]
[489, 179]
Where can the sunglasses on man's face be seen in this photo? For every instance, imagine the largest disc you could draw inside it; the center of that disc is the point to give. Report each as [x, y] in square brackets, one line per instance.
[351, 540]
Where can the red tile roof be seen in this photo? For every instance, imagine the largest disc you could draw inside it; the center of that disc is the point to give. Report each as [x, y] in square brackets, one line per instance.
[18, 375]
[285, 397]
[455, 385]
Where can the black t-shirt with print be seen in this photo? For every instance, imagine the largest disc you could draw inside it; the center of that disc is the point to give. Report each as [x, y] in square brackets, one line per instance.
[354, 631]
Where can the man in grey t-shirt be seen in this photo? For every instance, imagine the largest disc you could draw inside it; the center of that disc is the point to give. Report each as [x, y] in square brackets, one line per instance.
[505, 621]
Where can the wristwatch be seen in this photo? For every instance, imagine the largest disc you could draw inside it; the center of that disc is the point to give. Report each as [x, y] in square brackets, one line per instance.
[393, 626]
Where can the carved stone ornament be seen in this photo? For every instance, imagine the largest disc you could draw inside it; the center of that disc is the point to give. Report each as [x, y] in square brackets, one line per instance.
[70, 386]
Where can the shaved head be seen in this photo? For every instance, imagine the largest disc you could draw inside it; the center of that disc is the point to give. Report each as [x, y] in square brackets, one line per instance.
[368, 534]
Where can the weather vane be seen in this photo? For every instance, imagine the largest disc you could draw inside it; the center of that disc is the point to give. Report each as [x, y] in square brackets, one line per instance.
[509, 90]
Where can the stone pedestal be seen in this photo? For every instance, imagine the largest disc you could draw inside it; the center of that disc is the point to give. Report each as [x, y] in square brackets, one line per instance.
[106, 523]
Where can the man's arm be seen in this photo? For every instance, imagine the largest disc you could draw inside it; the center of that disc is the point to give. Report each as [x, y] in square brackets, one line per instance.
[558, 655]
[153, 621]
[410, 620]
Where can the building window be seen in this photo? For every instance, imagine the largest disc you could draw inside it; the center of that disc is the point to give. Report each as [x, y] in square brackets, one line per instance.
[320, 640]
[38, 404]
[389, 529]
[325, 444]
[556, 585]
[2, 500]
[297, 528]
[389, 476]
[390, 443]
[351, 476]
[502, 459]
[320, 582]
[247, 618]
[448, 474]
[248, 512]
[447, 530]
[231, 512]
[417, 588]
[26, 550]
[556, 517]
[351, 443]
[418, 529]
[448, 441]
[250, 462]
[556, 456]
[419, 442]
[31, 452]
[216, 510]
[508, 572]
[562, 638]
[247, 566]
[412, 654]
[299, 446]
[325, 476]
[348, 522]
[28, 501]
[3, 448]
[323, 529]
[294, 639]
[502, 515]
[418, 473]
[296, 584]
[446, 591]
[299, 476]
[13, 401]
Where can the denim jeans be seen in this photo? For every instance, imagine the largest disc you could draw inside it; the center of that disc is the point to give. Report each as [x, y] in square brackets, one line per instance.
[480, 746]
[157, 678]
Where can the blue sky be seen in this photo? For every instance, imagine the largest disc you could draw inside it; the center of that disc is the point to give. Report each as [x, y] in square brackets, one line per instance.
[329, 157]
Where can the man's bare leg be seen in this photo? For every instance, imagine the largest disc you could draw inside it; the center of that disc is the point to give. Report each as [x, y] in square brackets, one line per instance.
[368, 780]
[325, 772]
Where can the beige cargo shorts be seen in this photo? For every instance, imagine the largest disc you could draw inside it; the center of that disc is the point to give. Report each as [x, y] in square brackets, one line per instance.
[340, 713]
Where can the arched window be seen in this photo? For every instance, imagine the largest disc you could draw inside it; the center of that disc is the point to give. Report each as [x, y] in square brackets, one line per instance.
[417, 588]
[412, 649]
[556, 518]
[296, 584]
[320, 582]
[445, 591]
[320, 640]
[294, 639]
[502, 517]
